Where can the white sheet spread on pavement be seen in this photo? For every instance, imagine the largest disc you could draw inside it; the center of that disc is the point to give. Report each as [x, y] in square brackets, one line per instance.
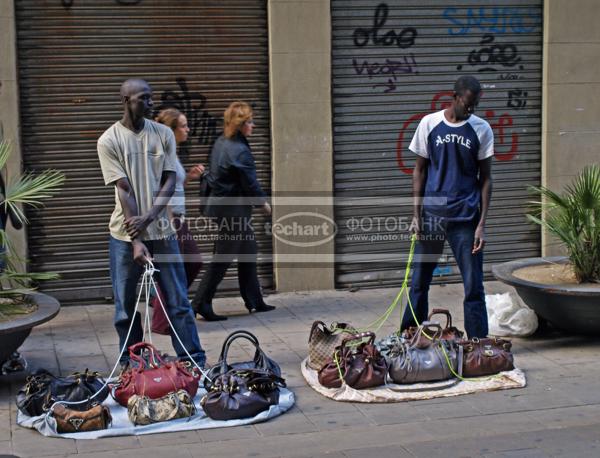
[418, 391]
[121, 426]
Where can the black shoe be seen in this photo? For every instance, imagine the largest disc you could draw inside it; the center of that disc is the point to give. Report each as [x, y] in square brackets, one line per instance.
[207, 313]
[261, 308]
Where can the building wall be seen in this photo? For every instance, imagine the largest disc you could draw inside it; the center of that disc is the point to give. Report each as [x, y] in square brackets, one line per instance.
[300, 69]
[571, 113]
[302, 155]
[9, 105]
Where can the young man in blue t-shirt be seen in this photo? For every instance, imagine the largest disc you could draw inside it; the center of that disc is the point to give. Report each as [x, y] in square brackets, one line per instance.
[452, 187]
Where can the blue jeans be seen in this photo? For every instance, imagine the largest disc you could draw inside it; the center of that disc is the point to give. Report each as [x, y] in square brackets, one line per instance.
[125, 274]
[460, 236]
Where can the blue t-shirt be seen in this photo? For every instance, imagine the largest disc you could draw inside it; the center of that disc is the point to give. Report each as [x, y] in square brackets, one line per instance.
[452, 188]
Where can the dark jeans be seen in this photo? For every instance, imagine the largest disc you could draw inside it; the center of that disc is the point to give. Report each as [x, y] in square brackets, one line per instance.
[236, 239]
[125, 274]
[460, 236]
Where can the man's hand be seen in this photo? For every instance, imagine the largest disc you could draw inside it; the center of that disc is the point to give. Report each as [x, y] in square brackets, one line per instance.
[195, 172]
[141, 255]
[136, 225]
[479, 241]
[267, 208]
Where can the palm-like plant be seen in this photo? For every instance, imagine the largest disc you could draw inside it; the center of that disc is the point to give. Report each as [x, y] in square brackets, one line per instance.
[574, 218]
[28, 189]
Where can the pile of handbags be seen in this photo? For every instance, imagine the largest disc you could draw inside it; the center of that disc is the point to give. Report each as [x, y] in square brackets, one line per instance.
[155, 389]
[423, 354]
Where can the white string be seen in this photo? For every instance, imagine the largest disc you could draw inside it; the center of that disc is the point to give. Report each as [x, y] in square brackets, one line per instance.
[107, 381]
[147, 280]
[153, 285]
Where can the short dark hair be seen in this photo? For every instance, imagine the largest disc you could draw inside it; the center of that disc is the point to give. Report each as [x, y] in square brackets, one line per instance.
[467, 83]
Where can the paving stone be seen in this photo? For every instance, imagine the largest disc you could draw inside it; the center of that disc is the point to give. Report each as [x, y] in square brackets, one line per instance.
[390, 451]
[391, 414]
[325, 422]
[107, 444]
[176, 438]
[226, 434]
[292, 422]
[30, 443]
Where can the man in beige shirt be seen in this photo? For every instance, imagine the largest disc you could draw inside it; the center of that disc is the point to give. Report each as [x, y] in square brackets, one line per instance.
[138, 158]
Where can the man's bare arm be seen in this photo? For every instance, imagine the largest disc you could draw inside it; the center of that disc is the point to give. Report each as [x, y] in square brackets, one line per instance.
[485, 180]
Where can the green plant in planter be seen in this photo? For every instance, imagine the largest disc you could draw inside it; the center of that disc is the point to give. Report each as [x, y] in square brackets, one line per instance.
[28, 189]
[574, 218]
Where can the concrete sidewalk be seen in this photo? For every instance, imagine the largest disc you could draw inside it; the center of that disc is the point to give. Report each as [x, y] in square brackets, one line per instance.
[557, 414]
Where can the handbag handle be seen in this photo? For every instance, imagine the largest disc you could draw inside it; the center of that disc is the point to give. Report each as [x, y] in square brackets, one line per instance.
[360, 336]
[234, 335]
[427, 325]
[154, 355]
[315, 326]
[239, 335]
[445, 312]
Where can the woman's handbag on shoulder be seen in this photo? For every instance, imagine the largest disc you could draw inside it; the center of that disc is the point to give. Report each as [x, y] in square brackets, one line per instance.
[205, 189]
[153, 377]
[486, 356]
[43, 389]
[74, 421]
[322, 341]
[143, 410]
[425, 358]
[260, 361]
[242, 393]
[359, 366]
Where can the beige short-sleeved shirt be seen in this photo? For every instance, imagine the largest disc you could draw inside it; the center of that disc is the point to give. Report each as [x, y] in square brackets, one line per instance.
[141, 158]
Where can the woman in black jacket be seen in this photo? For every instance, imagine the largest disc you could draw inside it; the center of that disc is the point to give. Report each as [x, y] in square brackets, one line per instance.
[234, 191]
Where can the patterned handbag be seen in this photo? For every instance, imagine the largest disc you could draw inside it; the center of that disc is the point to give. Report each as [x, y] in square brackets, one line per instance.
[143, 410]
[322, 341]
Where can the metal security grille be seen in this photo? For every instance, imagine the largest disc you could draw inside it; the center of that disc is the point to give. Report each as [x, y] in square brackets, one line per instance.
[393, 63]
[73, 56]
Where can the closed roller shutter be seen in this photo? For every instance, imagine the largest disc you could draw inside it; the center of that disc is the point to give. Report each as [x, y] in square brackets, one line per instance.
[393, 63]
[73, 56]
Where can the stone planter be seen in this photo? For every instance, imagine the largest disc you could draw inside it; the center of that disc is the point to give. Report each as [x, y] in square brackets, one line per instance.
[14, 332]
[572, 308]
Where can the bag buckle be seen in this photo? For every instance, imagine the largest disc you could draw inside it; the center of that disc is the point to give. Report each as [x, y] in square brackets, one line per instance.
[487, 351]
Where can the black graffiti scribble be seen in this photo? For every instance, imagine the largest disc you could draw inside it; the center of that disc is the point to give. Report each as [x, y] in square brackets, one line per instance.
[390, 68]
[489, 57]
[517, 99]
[203, 126]
[69, 3]
[403, 39]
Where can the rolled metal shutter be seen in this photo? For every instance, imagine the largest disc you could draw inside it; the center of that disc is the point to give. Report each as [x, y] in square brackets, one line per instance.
[393, 63]
[73, 56]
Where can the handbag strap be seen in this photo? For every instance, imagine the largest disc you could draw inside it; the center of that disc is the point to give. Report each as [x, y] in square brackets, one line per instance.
[154, 356]
[359, 336]
[314, 328]
[421, 331]
[445, 312]
[234, 336]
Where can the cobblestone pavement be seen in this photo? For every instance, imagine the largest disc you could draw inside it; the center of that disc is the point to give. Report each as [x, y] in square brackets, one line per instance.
[557, 414]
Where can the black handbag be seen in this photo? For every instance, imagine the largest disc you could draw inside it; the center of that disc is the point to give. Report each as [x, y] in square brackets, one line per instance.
[260, 361]
[43, 389]
[205, 190]
[242, 393]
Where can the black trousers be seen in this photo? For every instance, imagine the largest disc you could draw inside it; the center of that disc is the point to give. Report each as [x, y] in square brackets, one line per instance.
[236, 240]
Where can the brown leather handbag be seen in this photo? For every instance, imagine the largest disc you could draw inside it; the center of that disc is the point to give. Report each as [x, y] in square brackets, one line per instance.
[242, 393]
[322, 341]
[155, 378]
[449, 332]
[361, 366]
[74, 421]
[486, 356]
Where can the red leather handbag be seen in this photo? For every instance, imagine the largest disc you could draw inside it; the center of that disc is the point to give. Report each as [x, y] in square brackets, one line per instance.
[155, 377]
